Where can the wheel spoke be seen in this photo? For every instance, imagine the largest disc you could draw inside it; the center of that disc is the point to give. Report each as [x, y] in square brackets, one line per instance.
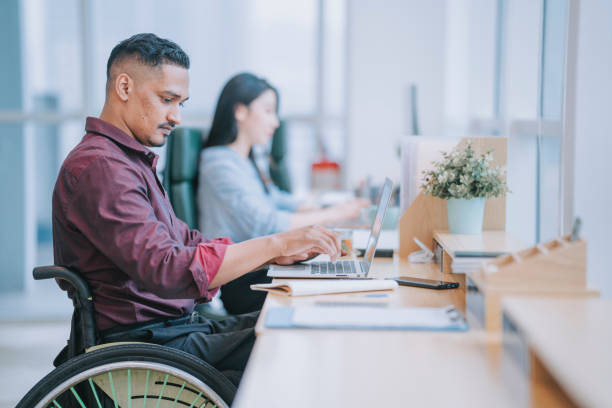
[179, 394]
[196, 400]
[144, 401]
[162, 391]
[129, 388]
[76, 395]
[112, 384]
[95, 393]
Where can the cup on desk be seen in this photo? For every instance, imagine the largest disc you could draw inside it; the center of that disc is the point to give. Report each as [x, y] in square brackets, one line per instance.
[346, 240]
[391, 216]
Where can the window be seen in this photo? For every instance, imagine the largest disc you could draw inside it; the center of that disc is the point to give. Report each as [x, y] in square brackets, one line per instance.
[60, 50]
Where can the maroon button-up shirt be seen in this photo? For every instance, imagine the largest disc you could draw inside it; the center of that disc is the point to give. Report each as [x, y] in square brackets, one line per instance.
[113, 223]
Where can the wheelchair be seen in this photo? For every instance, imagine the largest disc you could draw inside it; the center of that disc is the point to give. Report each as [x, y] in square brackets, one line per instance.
[121, 374]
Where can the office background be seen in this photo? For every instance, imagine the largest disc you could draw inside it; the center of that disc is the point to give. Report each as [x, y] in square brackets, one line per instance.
[534, 71]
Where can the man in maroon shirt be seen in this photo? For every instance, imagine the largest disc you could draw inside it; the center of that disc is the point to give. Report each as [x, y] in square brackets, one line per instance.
[113, 223]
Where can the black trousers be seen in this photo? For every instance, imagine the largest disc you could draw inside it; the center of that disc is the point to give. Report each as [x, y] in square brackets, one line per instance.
[225, 344]
[237, 296]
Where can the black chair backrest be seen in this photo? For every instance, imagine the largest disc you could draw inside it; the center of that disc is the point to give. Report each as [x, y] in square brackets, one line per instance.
[279, 163]
[181, 172]
[84, 332]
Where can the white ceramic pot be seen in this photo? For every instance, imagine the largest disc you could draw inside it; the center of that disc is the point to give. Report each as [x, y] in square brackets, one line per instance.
[465, 216]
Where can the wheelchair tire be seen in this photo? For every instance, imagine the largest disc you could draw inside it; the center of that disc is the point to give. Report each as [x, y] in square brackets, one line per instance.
[84, 381]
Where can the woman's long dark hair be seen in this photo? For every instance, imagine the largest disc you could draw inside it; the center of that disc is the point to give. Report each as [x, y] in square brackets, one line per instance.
[242, 89]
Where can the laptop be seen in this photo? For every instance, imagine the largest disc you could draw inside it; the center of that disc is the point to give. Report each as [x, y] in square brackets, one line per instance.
[351, 268]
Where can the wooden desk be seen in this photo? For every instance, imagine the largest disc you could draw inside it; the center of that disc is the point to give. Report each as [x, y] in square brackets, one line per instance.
[567, 360]
[298, 368]
[338, 368]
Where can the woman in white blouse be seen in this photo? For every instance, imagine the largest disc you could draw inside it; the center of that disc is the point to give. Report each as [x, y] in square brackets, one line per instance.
[234, 200]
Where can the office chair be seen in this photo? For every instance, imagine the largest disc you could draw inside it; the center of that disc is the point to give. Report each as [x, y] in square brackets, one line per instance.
[279, 166]
[180, 175]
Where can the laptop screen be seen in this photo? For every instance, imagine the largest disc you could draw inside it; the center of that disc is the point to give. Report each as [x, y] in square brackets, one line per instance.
[383, 202]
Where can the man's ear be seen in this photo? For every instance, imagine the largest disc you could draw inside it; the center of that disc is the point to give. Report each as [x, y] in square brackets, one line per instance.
[240, 112]
[123, 86]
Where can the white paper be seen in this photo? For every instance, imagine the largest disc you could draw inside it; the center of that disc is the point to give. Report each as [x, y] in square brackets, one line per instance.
[357, 316]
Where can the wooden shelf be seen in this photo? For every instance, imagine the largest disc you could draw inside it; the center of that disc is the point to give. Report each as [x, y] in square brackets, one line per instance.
[488, 241]
[556, 268]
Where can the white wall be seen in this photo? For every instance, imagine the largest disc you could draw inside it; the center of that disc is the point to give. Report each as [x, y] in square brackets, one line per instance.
[593, 167]
[520, 65]
[470, 63]
[391, 47]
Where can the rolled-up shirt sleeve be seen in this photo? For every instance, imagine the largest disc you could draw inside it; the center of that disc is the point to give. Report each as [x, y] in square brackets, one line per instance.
[114, 213]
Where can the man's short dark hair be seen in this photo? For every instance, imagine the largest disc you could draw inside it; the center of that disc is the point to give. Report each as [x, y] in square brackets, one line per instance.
[150, 50]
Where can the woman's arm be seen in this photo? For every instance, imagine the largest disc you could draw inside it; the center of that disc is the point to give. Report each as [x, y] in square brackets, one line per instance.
[339, 212]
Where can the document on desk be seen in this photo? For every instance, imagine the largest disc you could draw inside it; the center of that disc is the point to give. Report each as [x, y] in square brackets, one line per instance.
[366, 318]
[324, 286]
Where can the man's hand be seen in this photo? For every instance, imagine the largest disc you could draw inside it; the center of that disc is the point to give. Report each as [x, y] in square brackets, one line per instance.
[290, 260]
[304, 243]
[283, 248]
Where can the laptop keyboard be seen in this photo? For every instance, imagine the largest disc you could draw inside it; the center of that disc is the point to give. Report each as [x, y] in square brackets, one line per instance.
[346, 267]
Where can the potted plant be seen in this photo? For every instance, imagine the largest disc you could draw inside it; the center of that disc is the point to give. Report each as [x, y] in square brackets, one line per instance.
[465, 179]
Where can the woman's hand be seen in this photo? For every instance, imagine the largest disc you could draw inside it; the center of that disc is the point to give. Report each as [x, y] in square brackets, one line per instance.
[350, 209]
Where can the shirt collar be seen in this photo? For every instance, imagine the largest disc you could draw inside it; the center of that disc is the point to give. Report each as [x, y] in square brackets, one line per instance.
[100, 127]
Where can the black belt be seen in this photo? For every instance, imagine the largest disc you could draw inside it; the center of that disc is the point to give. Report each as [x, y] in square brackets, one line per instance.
[141, 331]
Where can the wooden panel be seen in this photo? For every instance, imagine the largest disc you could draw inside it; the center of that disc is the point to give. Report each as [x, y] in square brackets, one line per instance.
[545, 391]
[570, 339]
[425, 215]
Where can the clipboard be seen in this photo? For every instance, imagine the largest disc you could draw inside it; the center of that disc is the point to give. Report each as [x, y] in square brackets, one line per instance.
[344, 317]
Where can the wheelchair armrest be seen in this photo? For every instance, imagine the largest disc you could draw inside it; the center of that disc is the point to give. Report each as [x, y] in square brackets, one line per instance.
[59, 272]
[83, 333]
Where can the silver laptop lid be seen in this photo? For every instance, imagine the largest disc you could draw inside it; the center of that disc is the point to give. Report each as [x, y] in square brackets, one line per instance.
[383, 202]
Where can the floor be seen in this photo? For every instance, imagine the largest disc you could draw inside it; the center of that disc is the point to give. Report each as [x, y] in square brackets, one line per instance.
[27, 350]
[34, 327]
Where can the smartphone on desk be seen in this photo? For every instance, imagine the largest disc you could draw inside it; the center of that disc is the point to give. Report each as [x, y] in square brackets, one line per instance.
[425, 283]
[378, 253]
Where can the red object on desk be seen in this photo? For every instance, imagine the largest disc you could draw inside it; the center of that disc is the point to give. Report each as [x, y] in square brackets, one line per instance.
[325, 175]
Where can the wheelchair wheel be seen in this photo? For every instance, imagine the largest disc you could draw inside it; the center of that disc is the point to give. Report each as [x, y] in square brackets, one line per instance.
[132, 375]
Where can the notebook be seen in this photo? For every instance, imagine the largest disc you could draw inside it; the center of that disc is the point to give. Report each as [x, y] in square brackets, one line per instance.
[322, 287]
[345, 268]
